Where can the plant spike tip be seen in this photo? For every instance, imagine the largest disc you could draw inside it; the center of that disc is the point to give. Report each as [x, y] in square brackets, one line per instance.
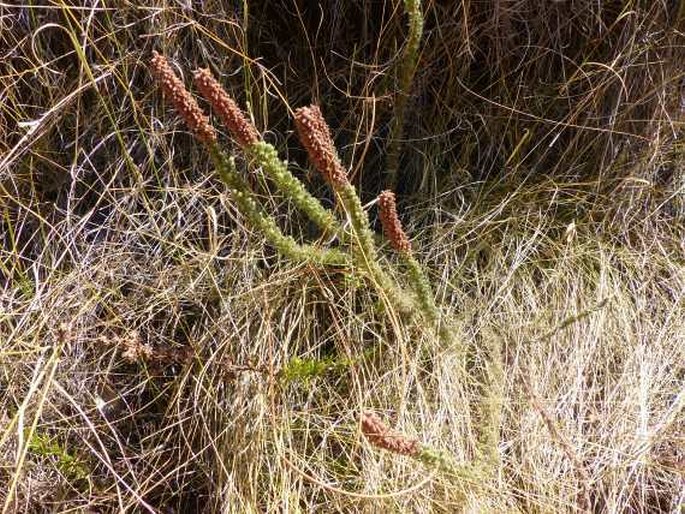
[315, 136]
[379, 435]
[392, 227]
[231, 116]
[182, 100]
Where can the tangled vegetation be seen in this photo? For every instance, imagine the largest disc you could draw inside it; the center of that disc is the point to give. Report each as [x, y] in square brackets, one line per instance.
[402, 256]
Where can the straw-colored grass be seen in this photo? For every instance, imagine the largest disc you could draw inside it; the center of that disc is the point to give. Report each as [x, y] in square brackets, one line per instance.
[158, 355]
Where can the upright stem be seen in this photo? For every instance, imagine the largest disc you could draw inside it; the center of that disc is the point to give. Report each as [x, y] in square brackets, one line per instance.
[407, 68]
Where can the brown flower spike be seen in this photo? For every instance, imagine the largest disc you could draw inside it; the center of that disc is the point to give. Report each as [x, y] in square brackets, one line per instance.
[383, 437]
[315, 135]
[392, 228]
[232, 117]
[182, 100]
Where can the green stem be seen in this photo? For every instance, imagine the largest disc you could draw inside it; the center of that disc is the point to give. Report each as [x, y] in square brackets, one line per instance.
[266, 156]
[247, 205]
[426, 301]
[365, 248]
[407, 69]
[361, 233]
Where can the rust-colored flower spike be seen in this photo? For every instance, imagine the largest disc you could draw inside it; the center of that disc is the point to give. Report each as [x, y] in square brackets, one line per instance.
[182, 100]
[392, 228]
[315, 135]
[383, 437]
[231, 116]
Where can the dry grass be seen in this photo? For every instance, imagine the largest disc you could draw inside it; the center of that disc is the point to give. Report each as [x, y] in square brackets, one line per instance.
[157, 356]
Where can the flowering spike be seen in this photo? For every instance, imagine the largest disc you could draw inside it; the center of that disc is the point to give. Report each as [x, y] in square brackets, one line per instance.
[315, 135]
[383, 437]
[182, 100]
[392, 228]
[231, 116]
